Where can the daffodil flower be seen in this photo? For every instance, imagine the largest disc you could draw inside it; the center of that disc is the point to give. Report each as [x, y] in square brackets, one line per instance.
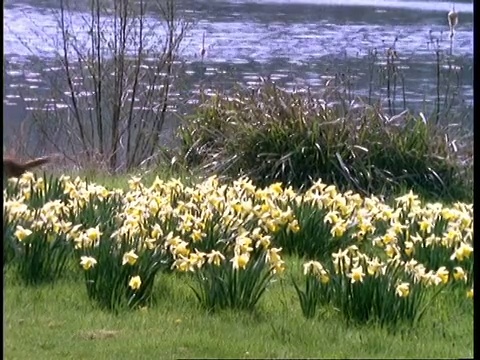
[470, 293]
[442, 273]
[135, 283]
[403, 289]
[21, 233]
[459, 274]
[293, 226]
[87, 262]
[240, 261]
[272, 255]
[462, 252]
[129, 258]
[215, 257]
[357, 274]
[373, 266]
[93, 234]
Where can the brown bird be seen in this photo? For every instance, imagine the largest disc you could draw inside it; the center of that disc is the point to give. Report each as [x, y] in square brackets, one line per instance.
[452, 20]
[15, 168]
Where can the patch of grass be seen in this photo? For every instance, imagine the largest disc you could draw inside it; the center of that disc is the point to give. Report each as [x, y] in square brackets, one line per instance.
[120, 180]
[60, 323]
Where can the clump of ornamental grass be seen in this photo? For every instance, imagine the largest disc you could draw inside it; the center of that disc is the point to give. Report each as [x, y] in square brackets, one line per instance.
[120, 263]
[37, 243]
[231, 254]
[366, 290]
[35, 233]
[234, 282]
[119, 270]
[411, 246]
[432, 234]
[42, 254]
[37, 190]
[325, 221]
[271, 136]
[314, 294]
[223, 238]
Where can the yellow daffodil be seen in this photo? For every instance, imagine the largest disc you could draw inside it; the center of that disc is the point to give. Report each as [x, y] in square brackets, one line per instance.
[426, 226]
[316, 269]
[215, 257]
[397, 227]
[389, 237]
[462, 252]
[182, 264]
[332, 217]
[93, 233]
[403, 289]
[391, 250]
[470, 293]
[87, 262]
[373, 266]
[449, 214]
[357, 274]
[172, 241]
[409, 248]
[21, 233]
[459, 274]
[273, 256]
[135, 183]
[442, 273]
[263, 241]
[407, 200]
[339, 229]
[324, 277]
[293, 226]
[312, 267]
[243, 243]
[197, 235]
[157, 231]
[465, 221]
[276, 188]
[240, 261]
[181, 249]
[150, 243]
[197, 258]
[278, 267]
[135, 283]
[129, 258]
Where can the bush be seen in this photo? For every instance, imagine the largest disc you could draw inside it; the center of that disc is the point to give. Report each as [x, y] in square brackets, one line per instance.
[270, 135]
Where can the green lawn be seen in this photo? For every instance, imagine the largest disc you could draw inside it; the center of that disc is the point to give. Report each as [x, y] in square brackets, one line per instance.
[59, 322]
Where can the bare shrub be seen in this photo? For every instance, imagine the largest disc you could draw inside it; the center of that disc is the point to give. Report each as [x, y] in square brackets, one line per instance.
[109, 96]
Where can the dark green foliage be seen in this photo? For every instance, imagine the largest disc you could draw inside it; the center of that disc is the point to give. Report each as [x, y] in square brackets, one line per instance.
[223, 286]
[108, 281]
[42, 258]
[271, 135]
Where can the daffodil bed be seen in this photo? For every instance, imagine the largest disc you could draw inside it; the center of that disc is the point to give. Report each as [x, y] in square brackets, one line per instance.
[371, 261]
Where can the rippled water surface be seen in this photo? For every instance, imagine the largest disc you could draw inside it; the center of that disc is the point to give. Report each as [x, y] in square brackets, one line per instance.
[298, 43]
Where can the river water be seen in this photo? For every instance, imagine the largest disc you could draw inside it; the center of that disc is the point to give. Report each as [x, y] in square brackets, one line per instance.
[299, 44]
